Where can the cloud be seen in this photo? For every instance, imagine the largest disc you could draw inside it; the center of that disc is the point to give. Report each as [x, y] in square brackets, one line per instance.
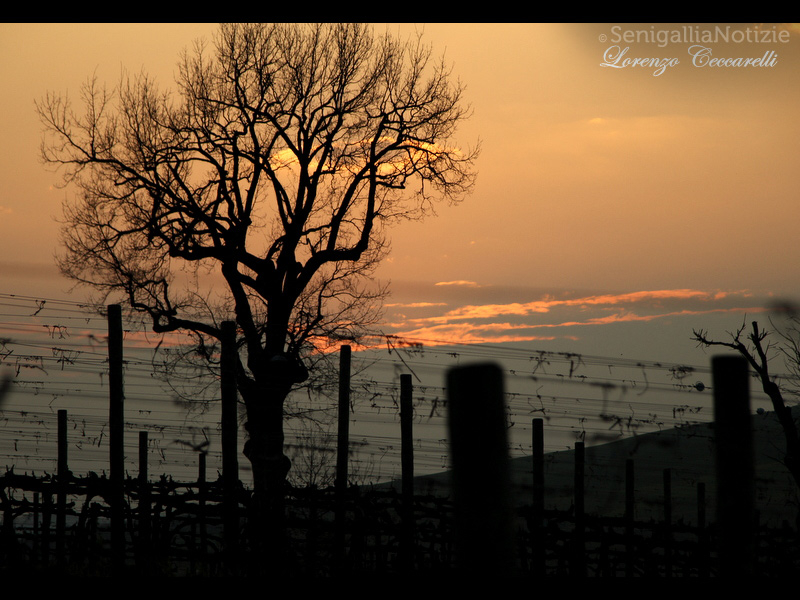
[547, 304]
[524, 321]
[467, 333]
[627, 317]
[415, 304]
[460, 282]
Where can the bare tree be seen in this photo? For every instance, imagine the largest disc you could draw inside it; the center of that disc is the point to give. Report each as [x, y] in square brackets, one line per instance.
[259, 190]
[757, 351]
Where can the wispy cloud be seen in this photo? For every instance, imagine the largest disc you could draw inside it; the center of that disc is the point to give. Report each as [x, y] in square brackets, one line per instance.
[525, 321]
[546, 305]
[460, 282]
[467, 333]
[414, 304]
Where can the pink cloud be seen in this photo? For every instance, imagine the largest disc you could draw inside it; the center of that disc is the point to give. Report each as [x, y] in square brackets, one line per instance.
[485, 311]
[460, 282]
[477, 323]
[415, 304]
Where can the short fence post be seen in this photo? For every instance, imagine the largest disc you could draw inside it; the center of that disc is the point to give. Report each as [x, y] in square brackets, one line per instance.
[62, 482]
[144, 506]
[116, 420]
[579, 547]
[407, 467]
[201, 503]
[477, 427]
[537, 529]
[629, 516]
[735, 469]
[667, 522]
[343, 448]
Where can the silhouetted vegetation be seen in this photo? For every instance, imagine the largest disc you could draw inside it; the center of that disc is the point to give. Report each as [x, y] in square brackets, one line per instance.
[277, 165]
[181, 534]
[756, 349]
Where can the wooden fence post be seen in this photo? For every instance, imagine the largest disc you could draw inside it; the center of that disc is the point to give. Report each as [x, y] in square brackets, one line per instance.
[407, 435]
[344, 419]
[407, 468]
[667, 475]
[62, 482]
[735, 469]
[202, 491]
[629, 516]
[116, 418]
[342, 449]
[537, 529]
[579, 547]
[478, 442]
[144, 538]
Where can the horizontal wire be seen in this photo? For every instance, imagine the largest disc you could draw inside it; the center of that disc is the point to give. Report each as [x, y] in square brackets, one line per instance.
[379, 395]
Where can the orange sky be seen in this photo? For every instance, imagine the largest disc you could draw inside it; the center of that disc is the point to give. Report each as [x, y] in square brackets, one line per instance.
[604, 195]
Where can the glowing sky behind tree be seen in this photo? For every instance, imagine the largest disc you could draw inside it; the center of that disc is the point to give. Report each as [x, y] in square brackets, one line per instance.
[610, 203]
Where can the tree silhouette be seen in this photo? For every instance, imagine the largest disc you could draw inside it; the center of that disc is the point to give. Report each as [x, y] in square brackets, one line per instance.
[756, 351]
[259, 190]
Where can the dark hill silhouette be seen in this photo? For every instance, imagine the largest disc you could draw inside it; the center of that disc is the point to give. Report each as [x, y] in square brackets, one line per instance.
[688, 451]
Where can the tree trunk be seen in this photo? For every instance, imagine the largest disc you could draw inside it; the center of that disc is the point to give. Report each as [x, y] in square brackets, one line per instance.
[264, 399]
